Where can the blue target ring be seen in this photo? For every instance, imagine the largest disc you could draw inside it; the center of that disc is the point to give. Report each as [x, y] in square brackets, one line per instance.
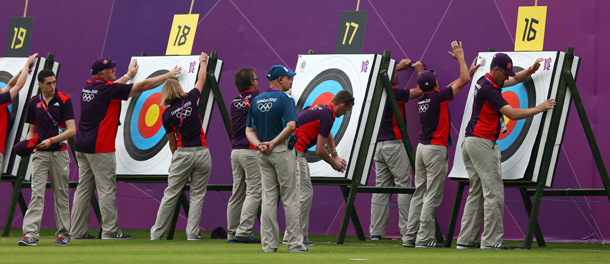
[327, 86]
[521, 93]
[139, 141]
[5, 77]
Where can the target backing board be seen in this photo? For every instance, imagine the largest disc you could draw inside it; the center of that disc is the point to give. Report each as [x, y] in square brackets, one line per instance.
[319, 77]
[9, 67]
[517, 143]
[536, 160]
[142, 144]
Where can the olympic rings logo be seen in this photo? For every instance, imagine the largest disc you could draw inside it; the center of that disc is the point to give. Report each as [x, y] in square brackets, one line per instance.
[423, 108]
[265, 107]
[240, 104]
[88, 97]
[187, 112]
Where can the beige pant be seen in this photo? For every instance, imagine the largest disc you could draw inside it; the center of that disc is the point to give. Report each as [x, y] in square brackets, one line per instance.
[430, 174]
[306, 190]
[243, 204]
[193, 162]
[482, 158]
[392, 167]
[96, 170]
[57, 164]
[279, 179]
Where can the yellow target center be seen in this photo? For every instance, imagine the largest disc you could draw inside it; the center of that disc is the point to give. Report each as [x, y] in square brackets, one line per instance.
[152, 115]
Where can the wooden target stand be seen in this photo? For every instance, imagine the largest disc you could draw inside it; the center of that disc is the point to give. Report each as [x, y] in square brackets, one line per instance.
[210, 86]
[566, 82]
[350, 188]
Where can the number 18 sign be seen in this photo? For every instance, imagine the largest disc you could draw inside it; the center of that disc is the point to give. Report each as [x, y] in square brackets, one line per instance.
[182, 35]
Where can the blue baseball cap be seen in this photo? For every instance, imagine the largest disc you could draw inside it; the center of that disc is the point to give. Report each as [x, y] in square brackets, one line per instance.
[278, 71]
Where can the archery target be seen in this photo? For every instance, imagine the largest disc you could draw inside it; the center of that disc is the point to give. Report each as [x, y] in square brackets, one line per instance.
[9, 67]
[517, 143]
[318, 79]
[141, 144]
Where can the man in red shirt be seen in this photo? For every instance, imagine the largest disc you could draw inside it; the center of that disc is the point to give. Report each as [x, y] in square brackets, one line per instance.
[95, 140]
[482, 156]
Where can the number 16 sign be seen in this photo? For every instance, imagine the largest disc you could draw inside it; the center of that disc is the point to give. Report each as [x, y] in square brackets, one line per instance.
[531, 22]
[182, 35]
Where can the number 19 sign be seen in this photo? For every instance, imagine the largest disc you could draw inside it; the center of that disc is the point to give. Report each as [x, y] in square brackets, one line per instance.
[351, 32]
[182, 35]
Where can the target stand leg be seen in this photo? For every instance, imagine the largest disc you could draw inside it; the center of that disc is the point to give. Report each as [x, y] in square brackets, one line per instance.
[457, 202]
[96, 209]
[439, 232]
[528, 208]
[17, 197]
[354, 217]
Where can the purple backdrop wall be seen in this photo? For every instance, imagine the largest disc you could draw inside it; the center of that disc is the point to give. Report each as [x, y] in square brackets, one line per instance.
[263, 33]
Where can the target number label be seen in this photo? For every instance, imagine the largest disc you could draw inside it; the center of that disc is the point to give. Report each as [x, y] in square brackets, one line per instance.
[19, 37]
[350, 36]
[182, 35]
[531, 23]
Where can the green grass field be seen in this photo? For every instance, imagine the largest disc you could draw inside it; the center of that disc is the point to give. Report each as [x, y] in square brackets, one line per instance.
[141, 250]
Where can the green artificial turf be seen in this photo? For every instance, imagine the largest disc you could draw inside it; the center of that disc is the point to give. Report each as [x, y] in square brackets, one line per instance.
[141, 250]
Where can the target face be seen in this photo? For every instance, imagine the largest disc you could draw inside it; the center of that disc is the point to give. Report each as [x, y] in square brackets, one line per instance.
[517, 143]
[318, 79]
[9, 67]
[141, 145]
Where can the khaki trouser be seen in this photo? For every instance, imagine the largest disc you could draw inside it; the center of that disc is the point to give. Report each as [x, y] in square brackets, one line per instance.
[243, 204]
[430, 174]
[306, 190]
[279, 179]
[392, 167]
[57, 164]
[482, 158]
[193, 162]
[96, 170]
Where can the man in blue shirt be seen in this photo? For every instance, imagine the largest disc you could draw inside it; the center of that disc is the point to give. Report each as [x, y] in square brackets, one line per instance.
[271, 120]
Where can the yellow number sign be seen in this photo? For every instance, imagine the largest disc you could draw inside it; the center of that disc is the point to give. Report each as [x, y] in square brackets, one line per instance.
[182, 35]
[531, 23]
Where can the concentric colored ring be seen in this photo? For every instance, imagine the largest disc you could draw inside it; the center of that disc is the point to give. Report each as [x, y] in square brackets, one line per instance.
[5, 77]
[143, 134]
[522, 95]
[322, 89]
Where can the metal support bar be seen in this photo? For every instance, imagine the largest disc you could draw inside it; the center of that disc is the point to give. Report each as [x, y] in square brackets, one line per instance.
[528, 208]
[354, 217]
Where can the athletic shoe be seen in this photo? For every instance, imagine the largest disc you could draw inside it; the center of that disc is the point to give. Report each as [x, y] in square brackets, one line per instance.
[308, 242]
[250, 239]
[432, 245]
[409, 244]
[375, 237]
[27, 241]
[87, 236]
[234, 240]
[61, 241]
[270, 250]
[194, 239]
[285, 242]
[119, 236]
[499, 246]
[475, 246]
[303, 250]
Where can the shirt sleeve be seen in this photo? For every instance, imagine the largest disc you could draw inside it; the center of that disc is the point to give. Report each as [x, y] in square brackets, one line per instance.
[446, 94]
[194, 93]
[290, 110]
[121, 91]
[167, 124]
[249, 119]
[31, 116]
[5, 98]
[402, 95]
[495, 99]
[326, 124]
[68, 110]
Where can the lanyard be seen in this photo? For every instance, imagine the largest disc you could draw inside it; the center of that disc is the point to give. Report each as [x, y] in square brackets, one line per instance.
[274, 89]
[44, 106]
[245, 100]
[182, 112]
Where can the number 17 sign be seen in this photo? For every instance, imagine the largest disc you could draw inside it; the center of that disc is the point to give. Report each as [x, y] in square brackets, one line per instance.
[351, 32]
[182, 35]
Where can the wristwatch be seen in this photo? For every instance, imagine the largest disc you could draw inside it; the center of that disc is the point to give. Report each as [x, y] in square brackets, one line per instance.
[334, 153]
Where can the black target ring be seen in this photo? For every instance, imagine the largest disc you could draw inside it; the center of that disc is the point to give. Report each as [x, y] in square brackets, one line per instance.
[131, 148]
[5, 77]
